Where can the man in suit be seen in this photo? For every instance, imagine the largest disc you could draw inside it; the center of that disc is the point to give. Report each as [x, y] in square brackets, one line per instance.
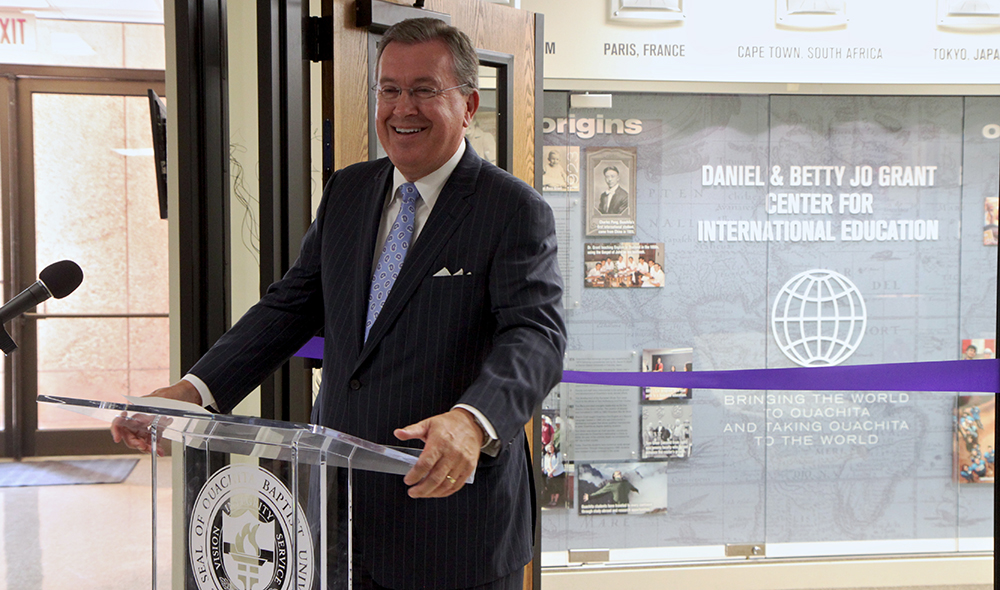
[445, 339]
[614, 201]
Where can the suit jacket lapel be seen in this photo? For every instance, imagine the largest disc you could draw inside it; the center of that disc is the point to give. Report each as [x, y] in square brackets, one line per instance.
[451, 207]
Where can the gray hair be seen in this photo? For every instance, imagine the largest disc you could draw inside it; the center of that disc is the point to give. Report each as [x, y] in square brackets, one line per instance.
[465, 62]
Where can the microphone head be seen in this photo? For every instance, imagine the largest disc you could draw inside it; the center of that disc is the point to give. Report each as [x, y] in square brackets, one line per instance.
[61, 278]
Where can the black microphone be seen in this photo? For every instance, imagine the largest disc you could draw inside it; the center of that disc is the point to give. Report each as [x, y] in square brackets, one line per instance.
[58, 280]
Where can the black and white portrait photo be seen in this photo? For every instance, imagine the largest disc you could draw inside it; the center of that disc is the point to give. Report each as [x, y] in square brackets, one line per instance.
[611, 191]
[561, 172]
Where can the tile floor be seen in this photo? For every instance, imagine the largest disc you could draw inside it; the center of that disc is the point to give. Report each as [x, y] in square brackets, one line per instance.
[85, 536]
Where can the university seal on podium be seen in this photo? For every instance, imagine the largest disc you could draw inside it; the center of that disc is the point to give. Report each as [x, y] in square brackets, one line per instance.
[240, 533]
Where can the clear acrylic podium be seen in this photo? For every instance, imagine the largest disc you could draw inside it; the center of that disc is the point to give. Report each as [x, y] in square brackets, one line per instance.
[267, 503]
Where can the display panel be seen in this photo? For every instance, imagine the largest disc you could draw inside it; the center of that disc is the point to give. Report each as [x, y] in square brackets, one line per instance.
[777, 232]
[822, 42]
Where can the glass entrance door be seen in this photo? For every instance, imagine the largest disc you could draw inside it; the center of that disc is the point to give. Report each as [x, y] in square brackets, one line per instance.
[86, 191]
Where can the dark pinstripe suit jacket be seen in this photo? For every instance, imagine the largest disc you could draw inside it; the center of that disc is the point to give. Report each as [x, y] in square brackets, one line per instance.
[492, 337]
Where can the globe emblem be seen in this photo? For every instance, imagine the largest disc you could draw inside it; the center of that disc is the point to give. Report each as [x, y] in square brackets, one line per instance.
[818, 318]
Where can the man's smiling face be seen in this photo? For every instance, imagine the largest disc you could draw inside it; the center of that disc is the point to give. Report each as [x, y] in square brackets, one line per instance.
[421, 135]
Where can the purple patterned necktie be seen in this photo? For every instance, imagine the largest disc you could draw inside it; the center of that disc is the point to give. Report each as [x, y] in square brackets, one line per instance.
[390, 262]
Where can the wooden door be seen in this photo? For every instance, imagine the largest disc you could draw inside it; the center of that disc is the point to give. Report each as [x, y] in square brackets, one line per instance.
[493, 28]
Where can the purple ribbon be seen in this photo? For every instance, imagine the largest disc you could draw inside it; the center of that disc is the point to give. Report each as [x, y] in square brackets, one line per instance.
[312, 350]
[982, 376]
[976, 376]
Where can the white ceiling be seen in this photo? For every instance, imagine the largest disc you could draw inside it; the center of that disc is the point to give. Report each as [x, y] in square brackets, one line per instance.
[116, 11]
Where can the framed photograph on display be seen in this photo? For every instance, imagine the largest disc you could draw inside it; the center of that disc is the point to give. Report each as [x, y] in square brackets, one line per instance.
[621, 488]
[482, 134]
[991, 207]
[611, 179]
[625, 264]
[978, 348]
[562, 168]
[557, 481]
[666, 432]
[662, 360]
[975, 438]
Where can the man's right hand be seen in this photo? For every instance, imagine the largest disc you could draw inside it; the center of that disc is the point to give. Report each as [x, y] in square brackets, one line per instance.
[133, 431]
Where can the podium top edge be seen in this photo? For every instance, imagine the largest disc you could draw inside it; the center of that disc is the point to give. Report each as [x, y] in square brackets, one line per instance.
[313, 436]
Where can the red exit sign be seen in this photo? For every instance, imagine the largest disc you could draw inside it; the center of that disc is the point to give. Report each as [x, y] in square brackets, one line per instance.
[17, 30]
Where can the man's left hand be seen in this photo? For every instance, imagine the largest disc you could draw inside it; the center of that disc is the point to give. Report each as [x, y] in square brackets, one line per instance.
[452, 442]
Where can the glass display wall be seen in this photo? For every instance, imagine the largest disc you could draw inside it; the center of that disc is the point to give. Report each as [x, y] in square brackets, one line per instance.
[718, 232]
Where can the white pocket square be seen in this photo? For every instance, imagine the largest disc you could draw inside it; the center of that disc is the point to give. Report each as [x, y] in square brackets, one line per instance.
[444, 272]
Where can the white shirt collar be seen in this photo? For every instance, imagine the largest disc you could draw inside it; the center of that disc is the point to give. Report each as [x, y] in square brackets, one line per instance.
[430, 186]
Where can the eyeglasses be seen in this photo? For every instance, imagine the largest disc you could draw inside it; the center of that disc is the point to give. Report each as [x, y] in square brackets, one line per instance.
[390, 93]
